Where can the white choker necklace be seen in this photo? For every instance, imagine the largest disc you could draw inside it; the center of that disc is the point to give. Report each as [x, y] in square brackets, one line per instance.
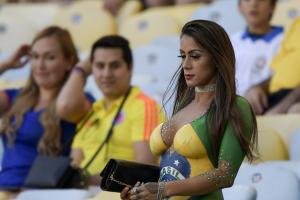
[206, 88]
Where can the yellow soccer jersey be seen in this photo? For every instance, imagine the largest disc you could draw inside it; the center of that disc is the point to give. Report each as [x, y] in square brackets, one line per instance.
[138, 117]
[286, 63]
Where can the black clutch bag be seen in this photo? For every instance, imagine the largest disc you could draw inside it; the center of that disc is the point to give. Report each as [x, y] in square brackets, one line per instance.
[118, 174]
[54, 172]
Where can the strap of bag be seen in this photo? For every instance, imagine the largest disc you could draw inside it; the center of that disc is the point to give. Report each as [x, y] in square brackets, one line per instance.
[110, 131]
[69, 141]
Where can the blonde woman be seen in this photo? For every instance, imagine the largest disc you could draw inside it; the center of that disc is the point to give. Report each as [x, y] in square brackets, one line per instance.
[30, 124]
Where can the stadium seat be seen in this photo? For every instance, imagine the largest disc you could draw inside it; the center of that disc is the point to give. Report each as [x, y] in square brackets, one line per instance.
[14, 32]
[92, 88]
[294, 146]
[240, 192]
[285, 124]
[168, 41]
[86, 4]
[293, 166]
[183, 13]
[142, 28]
[154, 66]
[158, 59]
[225, 13]
[270, 144]
[270, 181]
[285, 12]
[85, 25]
[39, 15]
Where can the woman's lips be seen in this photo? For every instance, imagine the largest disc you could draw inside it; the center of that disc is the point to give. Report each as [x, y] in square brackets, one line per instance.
[188, 76]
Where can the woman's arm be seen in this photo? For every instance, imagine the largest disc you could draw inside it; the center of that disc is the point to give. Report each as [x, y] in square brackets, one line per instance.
[13, 62]
[72, 103]
[4, 103]
[143, 153]
[77, 157]
[3, 67]
[206, 183]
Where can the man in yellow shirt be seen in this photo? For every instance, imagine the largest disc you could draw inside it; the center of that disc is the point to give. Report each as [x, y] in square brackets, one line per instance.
[111, 66]
[131, 133]
[281, 94]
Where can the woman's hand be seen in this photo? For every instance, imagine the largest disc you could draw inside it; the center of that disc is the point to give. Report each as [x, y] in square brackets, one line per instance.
[77, 156]
[141, 191]
[16, 59]
[125, 193]
[275, 110]
[86, 66]
[258, 99]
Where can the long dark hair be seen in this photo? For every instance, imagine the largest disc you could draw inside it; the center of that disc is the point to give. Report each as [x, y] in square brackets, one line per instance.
[223, 109]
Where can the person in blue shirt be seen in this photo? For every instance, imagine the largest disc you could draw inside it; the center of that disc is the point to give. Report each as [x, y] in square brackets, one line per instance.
[29, 121]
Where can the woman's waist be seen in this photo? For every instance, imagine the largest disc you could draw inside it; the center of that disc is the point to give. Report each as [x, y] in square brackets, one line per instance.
[175, 166]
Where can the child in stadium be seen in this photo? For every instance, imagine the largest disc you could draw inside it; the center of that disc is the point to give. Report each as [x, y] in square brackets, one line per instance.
[254, 49]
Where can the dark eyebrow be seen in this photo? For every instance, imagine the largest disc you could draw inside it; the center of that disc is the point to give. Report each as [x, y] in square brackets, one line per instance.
[45, 53]
[196, 50]
[114, 62]
[192, 51]
[110, 63]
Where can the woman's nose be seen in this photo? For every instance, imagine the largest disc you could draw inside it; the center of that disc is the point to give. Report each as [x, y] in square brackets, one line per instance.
[186, 63]
[39, 63]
